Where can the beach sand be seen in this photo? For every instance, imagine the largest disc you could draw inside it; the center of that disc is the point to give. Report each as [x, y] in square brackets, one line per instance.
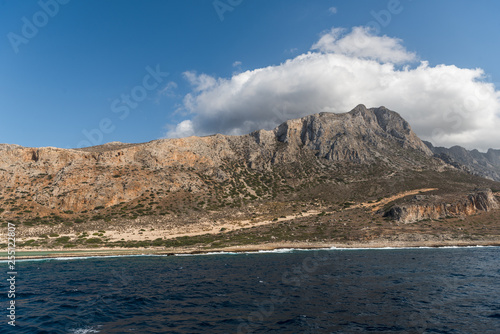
[97, 252]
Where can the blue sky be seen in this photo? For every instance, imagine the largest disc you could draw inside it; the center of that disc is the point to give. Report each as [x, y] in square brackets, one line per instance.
[65, 84]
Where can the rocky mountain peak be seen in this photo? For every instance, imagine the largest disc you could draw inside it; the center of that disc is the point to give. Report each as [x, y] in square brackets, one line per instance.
[359, 135]
[493, 156]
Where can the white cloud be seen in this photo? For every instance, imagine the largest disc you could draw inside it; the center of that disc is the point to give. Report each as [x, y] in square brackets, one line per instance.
[444, 104]
[361, 43]
[183, 129]
[237, 63]
[332, 10]
[200, 82]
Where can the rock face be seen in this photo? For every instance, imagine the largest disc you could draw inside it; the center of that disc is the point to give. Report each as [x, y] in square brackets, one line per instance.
[77, 180]
[483, 200]
[483, 164]
[361, 135]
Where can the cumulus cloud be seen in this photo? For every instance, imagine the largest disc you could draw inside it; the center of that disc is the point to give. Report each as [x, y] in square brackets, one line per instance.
[183, 129]
[332, 10]
[200, 82]
[445, 104]
[361, 43]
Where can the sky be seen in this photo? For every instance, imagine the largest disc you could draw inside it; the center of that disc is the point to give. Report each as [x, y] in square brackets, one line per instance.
[79, 73]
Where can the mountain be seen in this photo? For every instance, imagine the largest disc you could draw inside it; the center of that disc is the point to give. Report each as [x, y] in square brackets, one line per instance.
[359, 165]
[482, 164]
[106, 175]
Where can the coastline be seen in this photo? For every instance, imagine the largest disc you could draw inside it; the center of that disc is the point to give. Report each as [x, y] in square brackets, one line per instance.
[33, 254]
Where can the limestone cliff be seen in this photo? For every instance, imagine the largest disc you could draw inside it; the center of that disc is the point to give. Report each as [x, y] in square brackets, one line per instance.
[337, 152]
[81, 179]
[482, 200]
[362, 135]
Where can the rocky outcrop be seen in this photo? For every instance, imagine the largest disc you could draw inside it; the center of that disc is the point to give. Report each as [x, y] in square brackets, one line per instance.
[482, 164]
[361, 135]
[482, 200]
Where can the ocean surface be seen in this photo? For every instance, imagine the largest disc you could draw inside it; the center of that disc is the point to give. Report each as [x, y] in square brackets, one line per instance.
[425, 290]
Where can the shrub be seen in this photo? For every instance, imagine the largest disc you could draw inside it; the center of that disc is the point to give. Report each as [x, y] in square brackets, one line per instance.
[62, 240]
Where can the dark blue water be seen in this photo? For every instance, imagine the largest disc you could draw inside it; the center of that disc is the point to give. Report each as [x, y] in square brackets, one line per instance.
[453, 290]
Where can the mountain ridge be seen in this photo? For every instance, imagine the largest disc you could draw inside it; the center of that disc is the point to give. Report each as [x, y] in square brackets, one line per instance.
[361, 136]
[482, 164]
[327, 162]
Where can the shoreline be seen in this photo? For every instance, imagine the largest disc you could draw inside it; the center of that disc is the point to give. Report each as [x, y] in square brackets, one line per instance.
[33, 254]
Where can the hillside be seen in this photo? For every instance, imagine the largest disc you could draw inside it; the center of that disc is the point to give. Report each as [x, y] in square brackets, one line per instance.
[301, 181]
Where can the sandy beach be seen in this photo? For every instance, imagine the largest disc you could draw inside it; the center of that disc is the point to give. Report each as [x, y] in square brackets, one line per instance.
[100, 252]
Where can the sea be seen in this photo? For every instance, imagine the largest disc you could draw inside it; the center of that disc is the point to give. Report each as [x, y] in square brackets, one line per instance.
[409, 290]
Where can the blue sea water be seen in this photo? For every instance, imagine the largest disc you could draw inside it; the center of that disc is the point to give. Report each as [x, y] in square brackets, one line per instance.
[426, 290]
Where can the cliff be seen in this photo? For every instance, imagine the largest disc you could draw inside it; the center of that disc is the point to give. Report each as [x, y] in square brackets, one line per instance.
[362, 135]
[325, 159]
[473, 203]
[82, 179]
